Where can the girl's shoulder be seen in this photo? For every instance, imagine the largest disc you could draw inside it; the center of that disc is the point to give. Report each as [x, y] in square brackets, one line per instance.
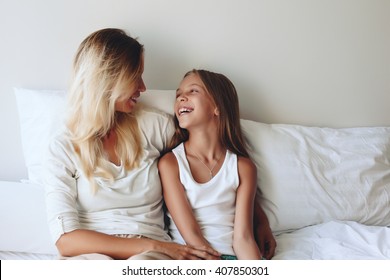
[167, 162]
[167, 158]
[245, 163]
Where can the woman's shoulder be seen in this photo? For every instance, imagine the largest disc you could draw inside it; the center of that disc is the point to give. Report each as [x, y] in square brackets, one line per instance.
[155, 123]
[60, 143]
[60, 151]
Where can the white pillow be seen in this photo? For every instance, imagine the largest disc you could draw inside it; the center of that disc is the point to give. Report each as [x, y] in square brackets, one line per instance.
[23, 219]
[160, 99]
[310, 175]
[41, 114]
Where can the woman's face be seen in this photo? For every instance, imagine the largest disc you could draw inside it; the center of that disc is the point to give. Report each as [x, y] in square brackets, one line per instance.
[194, 106]
[129, 97]
[130, 92]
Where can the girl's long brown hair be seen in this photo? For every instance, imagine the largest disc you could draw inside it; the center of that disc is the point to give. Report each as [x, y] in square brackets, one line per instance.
[224, 94]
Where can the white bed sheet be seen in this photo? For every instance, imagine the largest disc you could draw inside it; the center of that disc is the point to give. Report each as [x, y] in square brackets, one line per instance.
[335, 240]
[6, 255]
[24, 233]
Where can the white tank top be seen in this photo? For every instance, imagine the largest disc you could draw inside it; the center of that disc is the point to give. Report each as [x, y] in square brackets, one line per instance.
[213, 202]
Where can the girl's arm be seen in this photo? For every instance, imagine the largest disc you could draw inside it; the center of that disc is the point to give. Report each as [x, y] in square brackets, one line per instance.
[244, 243]
[178, 205]
[263, 232]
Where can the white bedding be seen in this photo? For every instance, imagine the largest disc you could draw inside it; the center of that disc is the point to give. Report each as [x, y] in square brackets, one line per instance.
[335, 240]
[7, 255]
[25, 235]
[24, 231]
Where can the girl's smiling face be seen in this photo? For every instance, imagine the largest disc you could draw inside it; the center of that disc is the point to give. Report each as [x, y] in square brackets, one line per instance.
[194, 105]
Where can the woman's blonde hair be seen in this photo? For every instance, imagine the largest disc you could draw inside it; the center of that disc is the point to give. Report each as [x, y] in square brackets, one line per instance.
[224, 95]
[106, 61]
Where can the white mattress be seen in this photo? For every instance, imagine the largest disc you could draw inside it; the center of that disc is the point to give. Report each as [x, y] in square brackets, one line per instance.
[335, 240]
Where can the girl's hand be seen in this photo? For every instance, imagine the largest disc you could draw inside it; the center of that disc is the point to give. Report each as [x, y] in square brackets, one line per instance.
[265, 240]
[263, 233]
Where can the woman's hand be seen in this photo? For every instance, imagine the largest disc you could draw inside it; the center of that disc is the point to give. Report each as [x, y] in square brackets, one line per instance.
[207, 252]
[185, 252]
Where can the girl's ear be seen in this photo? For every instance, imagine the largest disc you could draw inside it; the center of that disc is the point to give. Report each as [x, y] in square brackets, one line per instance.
[216, 111]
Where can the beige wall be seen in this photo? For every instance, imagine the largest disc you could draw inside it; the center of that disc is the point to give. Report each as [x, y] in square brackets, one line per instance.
[310, 62]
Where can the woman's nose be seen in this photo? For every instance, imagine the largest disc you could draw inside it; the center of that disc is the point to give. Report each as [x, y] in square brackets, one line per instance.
[141, 85]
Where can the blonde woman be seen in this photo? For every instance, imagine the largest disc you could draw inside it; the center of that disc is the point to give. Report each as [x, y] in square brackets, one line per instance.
[103, 192]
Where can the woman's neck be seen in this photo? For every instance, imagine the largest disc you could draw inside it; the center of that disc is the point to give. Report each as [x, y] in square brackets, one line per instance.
[109, 146]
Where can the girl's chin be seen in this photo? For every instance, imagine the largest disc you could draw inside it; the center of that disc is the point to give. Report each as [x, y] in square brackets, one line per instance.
[182, 125]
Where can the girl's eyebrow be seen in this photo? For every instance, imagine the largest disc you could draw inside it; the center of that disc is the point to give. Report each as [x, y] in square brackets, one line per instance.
[178, 91]
[194, 84]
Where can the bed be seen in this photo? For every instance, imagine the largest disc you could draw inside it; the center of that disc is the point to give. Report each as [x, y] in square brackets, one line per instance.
[326, 191]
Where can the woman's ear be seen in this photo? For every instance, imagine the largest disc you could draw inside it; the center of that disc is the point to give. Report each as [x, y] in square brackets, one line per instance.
[216, 111]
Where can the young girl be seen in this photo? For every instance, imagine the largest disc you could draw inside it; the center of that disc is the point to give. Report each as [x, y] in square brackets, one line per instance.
[209, 182]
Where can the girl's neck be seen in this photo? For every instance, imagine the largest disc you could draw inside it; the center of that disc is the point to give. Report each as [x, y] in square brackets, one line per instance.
[205, 158]
[204, 143]
[205, 148]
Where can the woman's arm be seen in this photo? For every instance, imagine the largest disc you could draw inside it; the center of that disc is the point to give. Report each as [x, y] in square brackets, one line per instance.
[178, 205]
[244, 243]
[62, 212]
[81, 241]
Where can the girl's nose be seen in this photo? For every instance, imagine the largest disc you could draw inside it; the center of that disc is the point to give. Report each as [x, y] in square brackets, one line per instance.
[182, 97]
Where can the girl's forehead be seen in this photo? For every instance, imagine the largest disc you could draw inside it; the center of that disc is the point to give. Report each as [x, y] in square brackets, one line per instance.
[192, 79]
